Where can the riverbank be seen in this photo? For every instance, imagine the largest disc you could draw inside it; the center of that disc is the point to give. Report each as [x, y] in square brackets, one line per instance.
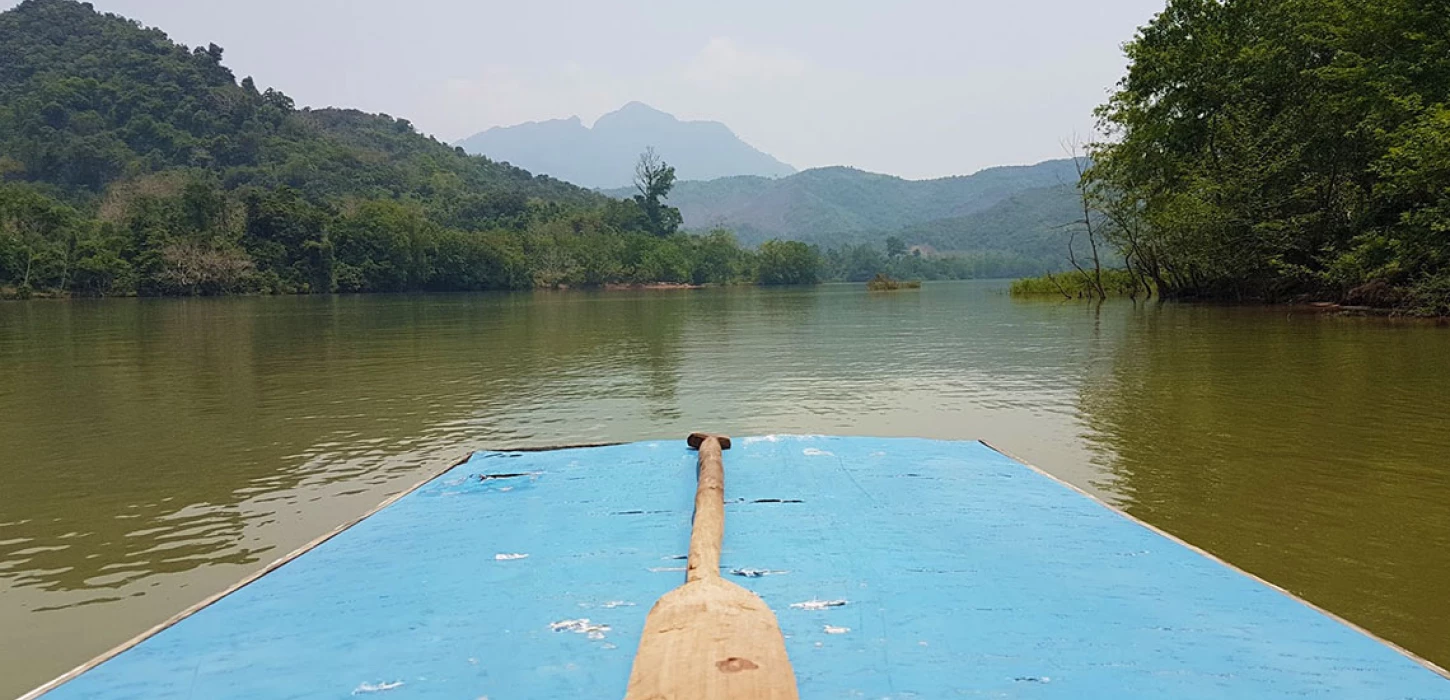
[656, 286]
[11, 294]
[1379, 301]
[1076, 285]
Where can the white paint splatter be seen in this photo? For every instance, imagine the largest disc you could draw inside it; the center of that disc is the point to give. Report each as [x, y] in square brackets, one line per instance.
[662, 569]
[376, 688]
[509, 557]
[756, 573]
[778, 438]
[837, 630]
[818, 604]
[580, 626]
[813, 452]
[610, 605]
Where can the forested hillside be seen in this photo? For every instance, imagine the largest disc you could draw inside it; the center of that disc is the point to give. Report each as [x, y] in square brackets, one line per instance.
[1032, 223]
[1278, 150]
[131, 164]
[1015, 213]
[821, 204]
[89, 99]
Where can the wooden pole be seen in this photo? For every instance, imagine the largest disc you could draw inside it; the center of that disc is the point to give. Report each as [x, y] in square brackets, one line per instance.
[710, 639]
[708, 530]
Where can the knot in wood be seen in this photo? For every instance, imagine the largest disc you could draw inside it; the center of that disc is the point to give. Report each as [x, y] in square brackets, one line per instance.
[735, 664]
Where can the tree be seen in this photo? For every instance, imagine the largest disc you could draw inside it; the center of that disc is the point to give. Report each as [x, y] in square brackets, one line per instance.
[857, 263]
[379, 247]
[192, 268]
[100, 267]
[662, 260]
[39, 234]
[717, 258]
[653, 179]
[788, 262]
[1092, 280]
[895, 247]
[1273, 149]
[287, 237]
[462, 261]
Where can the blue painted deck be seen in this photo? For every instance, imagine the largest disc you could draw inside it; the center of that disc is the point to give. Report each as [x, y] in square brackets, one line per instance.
[965, 574]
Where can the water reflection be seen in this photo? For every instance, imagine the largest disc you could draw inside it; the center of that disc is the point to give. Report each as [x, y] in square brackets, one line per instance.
[167, 427]
[1310, 451]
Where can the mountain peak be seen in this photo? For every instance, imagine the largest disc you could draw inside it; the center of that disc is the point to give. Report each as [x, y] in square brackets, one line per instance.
[636, 115]
[604, 156]
[637, 107]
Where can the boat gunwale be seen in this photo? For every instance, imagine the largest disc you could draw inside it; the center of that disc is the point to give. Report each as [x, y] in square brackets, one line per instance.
[291, 556]
[318, 541]
[1412, 656]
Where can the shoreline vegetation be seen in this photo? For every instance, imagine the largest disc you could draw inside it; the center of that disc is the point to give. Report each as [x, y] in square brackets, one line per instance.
[1274, 152]
[1067, 285]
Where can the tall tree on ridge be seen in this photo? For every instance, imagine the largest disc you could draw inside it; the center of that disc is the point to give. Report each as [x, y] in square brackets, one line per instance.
[654, 178]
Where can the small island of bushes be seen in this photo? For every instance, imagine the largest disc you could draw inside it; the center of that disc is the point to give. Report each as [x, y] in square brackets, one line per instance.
[885, 283]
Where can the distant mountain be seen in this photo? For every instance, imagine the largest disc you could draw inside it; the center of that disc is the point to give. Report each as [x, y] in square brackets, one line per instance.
[604, 156]
[1016, 209]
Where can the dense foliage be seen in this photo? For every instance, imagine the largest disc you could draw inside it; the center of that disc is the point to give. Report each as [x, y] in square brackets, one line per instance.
[87, 100]
[788, 262]
[1273, 149]
[132, 165]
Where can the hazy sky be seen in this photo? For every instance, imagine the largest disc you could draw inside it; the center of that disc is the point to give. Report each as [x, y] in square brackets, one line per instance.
[917, 88]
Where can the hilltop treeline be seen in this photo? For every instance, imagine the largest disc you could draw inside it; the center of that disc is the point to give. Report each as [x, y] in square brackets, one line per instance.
[1271, 149]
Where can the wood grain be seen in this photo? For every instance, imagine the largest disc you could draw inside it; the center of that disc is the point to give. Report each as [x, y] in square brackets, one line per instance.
[710, 639]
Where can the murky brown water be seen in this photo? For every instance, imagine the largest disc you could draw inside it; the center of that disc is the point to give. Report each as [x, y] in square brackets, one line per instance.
[153, 452]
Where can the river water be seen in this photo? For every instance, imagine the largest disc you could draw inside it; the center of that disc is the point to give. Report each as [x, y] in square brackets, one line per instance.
[154, 451]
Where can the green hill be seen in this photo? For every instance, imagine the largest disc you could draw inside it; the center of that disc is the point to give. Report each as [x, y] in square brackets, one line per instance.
[1015, 210]
[88, 99]
[1032, 223]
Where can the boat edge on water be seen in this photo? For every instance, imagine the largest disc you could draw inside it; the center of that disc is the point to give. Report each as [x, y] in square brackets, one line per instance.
[432, 475]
